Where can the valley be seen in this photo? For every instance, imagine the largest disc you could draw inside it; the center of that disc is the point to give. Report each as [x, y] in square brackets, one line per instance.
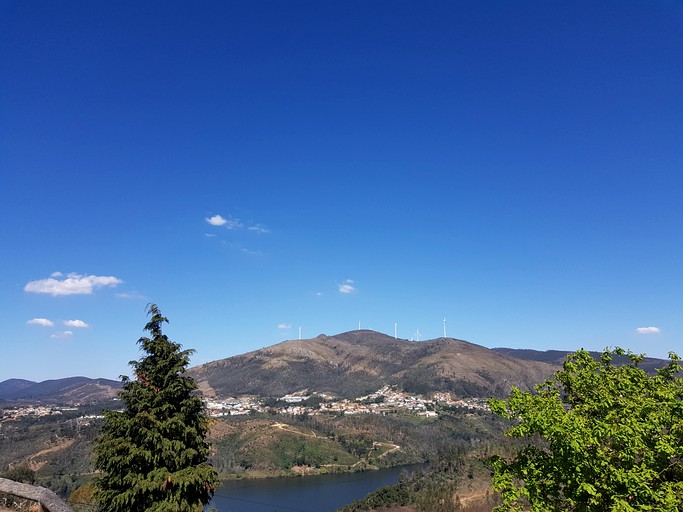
[353, 402]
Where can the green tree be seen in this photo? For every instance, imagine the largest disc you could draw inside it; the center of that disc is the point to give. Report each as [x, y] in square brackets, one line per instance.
[153, 453]
[21, 473]
[601, 437]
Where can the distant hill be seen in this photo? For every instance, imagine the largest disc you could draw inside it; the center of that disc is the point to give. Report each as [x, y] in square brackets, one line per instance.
[63, 391]
[557, 357]
[355, 363]
[349, 364]
[13, 386]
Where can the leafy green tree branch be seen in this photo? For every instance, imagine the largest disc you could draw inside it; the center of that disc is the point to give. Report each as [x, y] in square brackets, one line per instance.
[601, 437]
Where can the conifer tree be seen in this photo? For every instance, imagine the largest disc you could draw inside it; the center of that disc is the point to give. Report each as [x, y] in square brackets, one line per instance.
[153, 454]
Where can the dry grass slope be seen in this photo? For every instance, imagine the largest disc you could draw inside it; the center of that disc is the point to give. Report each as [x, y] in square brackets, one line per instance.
[358, 362]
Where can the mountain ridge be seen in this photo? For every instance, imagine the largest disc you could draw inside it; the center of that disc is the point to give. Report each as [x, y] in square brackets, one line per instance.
[348, 365]
[11, 386]
[557, 357]
[354, 363]
[64, 391]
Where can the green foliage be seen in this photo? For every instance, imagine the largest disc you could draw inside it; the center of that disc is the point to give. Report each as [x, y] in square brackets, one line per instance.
[386, 496]
[425, 491]
[601, 437]
[153, 454]
[21, 473]
[256, 445]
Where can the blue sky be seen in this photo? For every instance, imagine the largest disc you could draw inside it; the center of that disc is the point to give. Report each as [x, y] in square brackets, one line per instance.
[253, 167]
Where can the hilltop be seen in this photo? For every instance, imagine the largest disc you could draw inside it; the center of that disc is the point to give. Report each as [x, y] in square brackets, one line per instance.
[63, 391]
[358, 362]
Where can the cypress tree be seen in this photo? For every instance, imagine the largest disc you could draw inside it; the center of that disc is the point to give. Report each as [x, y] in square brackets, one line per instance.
[153, 454]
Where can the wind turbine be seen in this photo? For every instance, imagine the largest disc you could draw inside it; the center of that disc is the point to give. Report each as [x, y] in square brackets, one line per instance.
[416, 336]
[444, 327]
[395, 325]
[299, 332]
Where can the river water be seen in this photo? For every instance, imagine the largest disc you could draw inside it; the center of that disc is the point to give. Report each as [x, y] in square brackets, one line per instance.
[321, 493]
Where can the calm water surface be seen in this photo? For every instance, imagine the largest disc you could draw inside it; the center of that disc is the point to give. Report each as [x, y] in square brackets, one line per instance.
[323, 493]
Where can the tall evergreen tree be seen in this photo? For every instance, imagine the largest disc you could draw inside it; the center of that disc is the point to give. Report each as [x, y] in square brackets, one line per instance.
[153, 453]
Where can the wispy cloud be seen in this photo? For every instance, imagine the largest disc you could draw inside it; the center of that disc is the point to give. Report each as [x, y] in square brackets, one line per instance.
[251, 252]
[130, 295]
[72, 284]
[229, 223]
[648, 330]
[238, 246]
[235, 223]
[61, 335]
[259, 228]
[41, 321]
[284, 326]
[80, 324]
[346, 287]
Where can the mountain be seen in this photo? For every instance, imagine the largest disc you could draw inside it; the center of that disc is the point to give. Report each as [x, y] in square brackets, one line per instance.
[62, 391]
[12, 386]
[356, 363]
[557, 357]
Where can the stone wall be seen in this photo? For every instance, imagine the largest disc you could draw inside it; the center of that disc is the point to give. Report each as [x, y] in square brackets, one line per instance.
[48, 500]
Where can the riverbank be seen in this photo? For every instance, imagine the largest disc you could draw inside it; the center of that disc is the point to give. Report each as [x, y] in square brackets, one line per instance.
[306, 471]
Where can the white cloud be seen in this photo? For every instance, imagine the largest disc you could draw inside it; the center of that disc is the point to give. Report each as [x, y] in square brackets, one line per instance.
[61, 335]
[72, 284]
[76, 323]
[216, 220]
[346, 288]
[57, 274]
[648, 330]
[41, 321]
[229, 223]
[284, 326]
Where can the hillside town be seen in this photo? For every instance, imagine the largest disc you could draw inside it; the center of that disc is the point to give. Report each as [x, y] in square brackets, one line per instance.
[42, 411]
[38, 411]
[386, 400]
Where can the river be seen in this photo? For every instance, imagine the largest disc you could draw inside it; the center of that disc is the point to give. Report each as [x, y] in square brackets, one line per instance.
[321, 493]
